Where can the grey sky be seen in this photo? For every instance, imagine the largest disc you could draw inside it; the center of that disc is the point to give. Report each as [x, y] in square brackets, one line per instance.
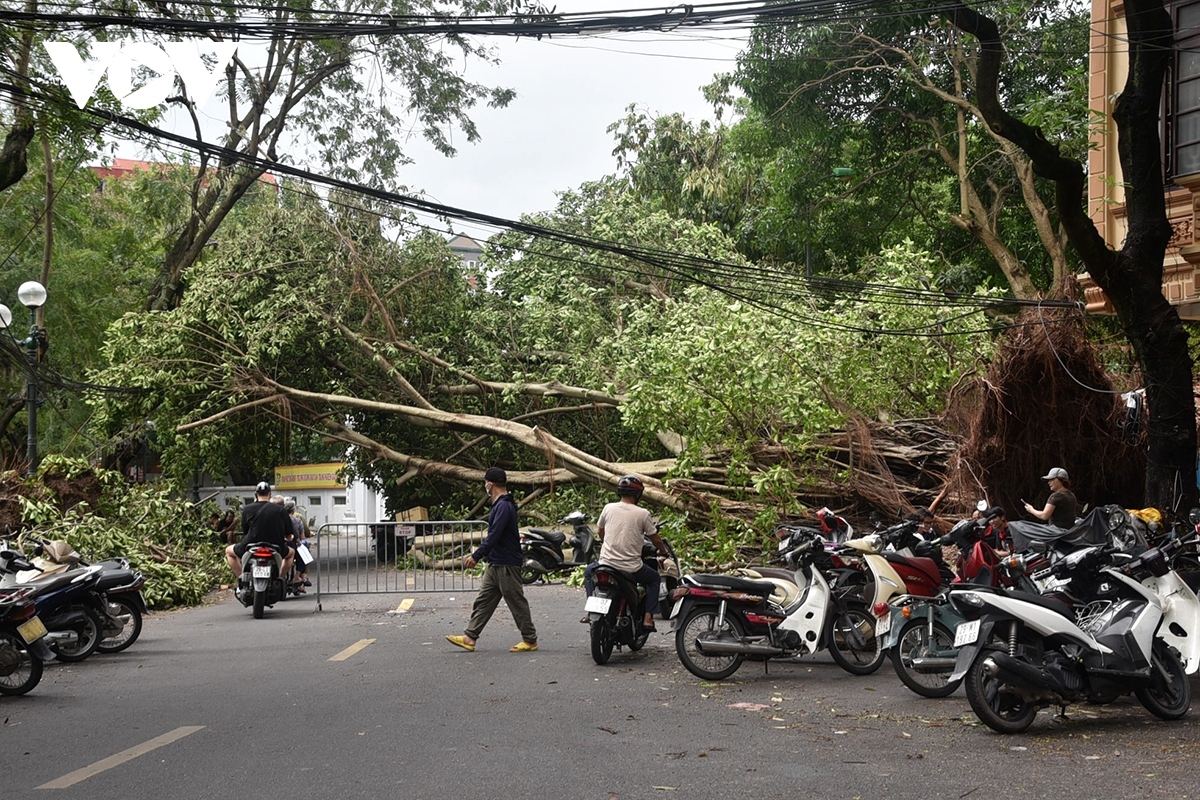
[552, 136]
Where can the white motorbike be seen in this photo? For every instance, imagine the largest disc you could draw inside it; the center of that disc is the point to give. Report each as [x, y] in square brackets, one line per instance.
[1020, 652]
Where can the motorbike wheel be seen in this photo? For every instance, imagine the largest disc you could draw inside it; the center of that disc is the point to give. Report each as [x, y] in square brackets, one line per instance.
[602, 641]
[130, 631]
[260, 603]
[90, 633]
[1169, 693]
[1003, 712]
[20, 670]
[529, 575]
[703, 619]
[914, 640]
[853, 643]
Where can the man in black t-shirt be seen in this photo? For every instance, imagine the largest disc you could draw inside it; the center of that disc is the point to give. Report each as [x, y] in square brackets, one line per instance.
[265, 522]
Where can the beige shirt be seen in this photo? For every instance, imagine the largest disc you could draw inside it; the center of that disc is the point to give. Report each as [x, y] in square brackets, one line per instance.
[625, 527]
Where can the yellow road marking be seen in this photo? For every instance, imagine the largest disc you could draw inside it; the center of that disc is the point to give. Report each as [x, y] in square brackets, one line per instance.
[352, 649]
[72, 778]
[405, 605]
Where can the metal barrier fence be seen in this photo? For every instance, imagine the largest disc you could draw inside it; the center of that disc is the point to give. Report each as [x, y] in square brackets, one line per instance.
[394, 557]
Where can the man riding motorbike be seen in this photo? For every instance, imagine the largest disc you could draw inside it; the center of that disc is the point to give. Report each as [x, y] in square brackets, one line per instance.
[622, 528]
[262, 521]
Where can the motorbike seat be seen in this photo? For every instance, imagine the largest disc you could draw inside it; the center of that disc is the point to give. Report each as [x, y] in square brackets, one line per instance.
[762, 588]
[1048, 603]
[786, 591]
[554, 537]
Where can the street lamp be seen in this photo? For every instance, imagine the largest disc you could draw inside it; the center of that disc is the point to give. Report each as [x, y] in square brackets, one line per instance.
[33, 296]
[839, 173]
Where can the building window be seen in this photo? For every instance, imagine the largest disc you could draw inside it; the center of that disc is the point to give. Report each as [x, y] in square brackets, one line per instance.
[1182, 112]
[314, 501]
[339, 500]
[247, 501]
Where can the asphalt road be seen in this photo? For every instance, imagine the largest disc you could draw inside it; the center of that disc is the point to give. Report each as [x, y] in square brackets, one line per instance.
[213, 703]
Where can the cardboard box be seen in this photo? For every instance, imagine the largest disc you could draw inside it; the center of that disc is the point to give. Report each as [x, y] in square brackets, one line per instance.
[414, 514]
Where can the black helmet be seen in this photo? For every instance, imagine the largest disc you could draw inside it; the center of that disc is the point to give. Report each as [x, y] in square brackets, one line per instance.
[631, 486]
[262, 488]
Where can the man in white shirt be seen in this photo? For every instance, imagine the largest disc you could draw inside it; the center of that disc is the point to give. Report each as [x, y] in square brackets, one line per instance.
[622, 528]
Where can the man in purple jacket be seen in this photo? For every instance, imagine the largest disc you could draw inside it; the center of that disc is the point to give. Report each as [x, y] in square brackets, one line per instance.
[502, 578]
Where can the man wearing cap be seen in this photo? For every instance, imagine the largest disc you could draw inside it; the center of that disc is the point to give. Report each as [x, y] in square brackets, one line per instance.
[502, 578]
[1061, 505]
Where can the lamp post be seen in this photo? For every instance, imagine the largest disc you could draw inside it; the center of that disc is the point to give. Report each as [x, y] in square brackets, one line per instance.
[839, 173]
[33, 296]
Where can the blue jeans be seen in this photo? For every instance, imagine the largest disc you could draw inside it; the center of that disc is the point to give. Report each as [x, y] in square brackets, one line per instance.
[646, 576]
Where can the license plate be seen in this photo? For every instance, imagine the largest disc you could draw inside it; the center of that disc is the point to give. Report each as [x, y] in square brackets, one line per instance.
[966, 633]
[32, 630]
[883, 624]
[260, 572]
[597, 605]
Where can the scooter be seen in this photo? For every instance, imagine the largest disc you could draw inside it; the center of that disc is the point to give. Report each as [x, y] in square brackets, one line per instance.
[616, 612]
[120, 585]
[68, 604]
[916, 628]
[1020, 652]
[22, 641]
[722, 620]
[260, 584]
[544, 550]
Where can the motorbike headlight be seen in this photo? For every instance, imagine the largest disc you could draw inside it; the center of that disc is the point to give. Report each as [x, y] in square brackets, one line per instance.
[969, 598]
[876, 542]
[1194, 516]
[1116, 519]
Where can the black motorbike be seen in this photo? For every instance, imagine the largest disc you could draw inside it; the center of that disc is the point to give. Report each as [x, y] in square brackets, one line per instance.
[544, 550]
[260, 584]
[120, 587]
[22, 641]
[616, 610]
[68, 604]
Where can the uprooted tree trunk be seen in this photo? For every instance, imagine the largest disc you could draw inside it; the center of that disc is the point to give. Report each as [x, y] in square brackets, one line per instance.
[1046, 401]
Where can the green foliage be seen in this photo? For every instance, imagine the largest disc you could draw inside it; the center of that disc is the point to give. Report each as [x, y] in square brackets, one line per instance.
[724, 374]
[157, 533]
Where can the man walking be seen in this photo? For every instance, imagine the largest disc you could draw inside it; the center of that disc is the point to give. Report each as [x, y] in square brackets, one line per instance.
[502, 578]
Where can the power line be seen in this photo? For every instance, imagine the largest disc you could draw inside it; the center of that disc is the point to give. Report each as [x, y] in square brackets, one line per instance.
[738, 281]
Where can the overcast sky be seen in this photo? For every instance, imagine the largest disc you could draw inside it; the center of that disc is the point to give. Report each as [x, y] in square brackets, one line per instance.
[552, 136]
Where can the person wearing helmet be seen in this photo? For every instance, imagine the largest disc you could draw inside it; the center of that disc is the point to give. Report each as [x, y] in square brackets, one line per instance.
[266, 522]
[622, 528]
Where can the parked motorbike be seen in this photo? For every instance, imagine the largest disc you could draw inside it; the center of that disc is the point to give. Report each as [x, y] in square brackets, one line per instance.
[1021, 652]
[917, 631]
[260, 584]
[22, 646]
[722, 620]
[68, 604]
[120, 586]
[544, 550]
